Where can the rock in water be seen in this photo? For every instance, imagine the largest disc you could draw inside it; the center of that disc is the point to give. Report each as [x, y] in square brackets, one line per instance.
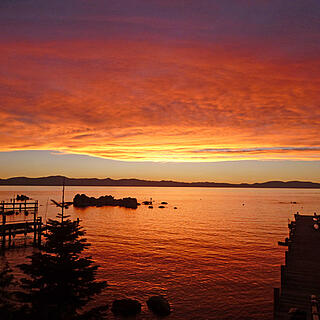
[82, 200]
[297, 314]
[126, 307]
[159, 305]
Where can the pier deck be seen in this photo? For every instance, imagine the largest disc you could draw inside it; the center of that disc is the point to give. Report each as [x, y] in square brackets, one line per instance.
[300, 276]
[10, 229]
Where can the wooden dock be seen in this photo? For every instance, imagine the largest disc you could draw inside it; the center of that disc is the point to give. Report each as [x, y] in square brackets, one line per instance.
[298, 297]
[10, 229]
[15, 207]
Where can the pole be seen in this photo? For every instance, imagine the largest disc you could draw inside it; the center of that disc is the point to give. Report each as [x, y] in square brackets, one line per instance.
[39, 231]
[9, 241]
[34, 233]
[62, 207]
[3, 230]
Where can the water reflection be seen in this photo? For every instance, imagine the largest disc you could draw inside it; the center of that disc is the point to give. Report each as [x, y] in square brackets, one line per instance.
[213, 257]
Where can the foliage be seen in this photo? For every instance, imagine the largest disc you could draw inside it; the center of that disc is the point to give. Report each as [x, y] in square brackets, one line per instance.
[7, 302]
[60, 280]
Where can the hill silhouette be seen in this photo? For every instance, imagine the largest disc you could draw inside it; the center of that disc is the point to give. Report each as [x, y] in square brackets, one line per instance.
[57, 181]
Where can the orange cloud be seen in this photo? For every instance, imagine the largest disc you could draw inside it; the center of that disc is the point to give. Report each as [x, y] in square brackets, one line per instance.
[155, 101]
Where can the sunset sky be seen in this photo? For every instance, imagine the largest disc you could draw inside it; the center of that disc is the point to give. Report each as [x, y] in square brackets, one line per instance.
[189, 90]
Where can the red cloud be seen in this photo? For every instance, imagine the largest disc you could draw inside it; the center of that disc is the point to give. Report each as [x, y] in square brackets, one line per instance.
[143, 100]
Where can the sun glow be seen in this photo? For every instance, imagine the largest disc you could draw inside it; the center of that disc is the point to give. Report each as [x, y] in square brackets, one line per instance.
[134, 101]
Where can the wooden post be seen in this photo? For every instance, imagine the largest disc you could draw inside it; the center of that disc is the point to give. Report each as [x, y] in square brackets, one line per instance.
[3, 230]
[286, 258]
[39, 231]
[25, 233]
[34, 233]
[9, 240]
[36, 208]
[3, 240]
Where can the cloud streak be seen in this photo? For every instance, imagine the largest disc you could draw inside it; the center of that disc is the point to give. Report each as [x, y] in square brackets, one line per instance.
[254, 150]
[152, 103]
[161, 81]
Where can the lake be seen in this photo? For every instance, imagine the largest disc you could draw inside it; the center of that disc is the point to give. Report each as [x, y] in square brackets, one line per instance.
[214, 257]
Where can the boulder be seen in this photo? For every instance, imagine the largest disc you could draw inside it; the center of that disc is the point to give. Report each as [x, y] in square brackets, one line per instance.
[126, 307]
[22, 197]
[297, 314]
[82, 200]
[159, 305]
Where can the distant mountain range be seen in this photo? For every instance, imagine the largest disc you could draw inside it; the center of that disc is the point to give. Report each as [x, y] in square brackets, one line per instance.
[58, 180]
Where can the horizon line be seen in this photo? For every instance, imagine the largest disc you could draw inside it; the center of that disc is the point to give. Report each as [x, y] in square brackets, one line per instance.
[212, 183]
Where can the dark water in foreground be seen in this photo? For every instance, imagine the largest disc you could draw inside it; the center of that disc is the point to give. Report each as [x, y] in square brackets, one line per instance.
[213, 257]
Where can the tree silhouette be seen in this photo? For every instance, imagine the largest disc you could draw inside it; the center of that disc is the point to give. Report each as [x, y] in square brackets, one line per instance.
[7, 309]
[60, 280]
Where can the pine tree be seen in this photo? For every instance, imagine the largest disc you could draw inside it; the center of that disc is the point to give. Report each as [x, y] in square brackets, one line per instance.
[8, 309]
[6, 279]
[60, 280]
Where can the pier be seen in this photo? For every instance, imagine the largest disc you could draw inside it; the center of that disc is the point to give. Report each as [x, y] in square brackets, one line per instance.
[10, 229]
[299, 294]
[16, 207]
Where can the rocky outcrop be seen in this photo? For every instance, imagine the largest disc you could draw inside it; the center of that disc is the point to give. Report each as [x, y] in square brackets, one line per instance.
[126, 307]
[297, 314]
[22, 197]
[82, 200]
[159, 305]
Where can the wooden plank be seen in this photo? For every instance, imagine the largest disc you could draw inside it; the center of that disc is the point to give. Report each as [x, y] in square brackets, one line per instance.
[300, 276]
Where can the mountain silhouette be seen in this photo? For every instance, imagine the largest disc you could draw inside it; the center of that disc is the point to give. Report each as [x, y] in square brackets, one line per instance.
[58, 180]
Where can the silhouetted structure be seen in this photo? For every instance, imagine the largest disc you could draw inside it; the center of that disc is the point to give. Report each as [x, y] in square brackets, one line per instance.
[85, 201]
[56, 181]
[60, 280]
[9, 230]
[299, 294]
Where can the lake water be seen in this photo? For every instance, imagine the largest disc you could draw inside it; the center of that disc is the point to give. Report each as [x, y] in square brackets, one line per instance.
[214, 257]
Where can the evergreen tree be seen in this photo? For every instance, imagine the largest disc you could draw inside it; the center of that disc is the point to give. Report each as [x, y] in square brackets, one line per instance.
[60, 280]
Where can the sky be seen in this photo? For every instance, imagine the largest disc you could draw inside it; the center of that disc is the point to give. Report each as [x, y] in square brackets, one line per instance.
[187, 90]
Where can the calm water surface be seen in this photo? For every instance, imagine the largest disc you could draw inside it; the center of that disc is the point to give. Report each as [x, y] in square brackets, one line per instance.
[215, 257]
